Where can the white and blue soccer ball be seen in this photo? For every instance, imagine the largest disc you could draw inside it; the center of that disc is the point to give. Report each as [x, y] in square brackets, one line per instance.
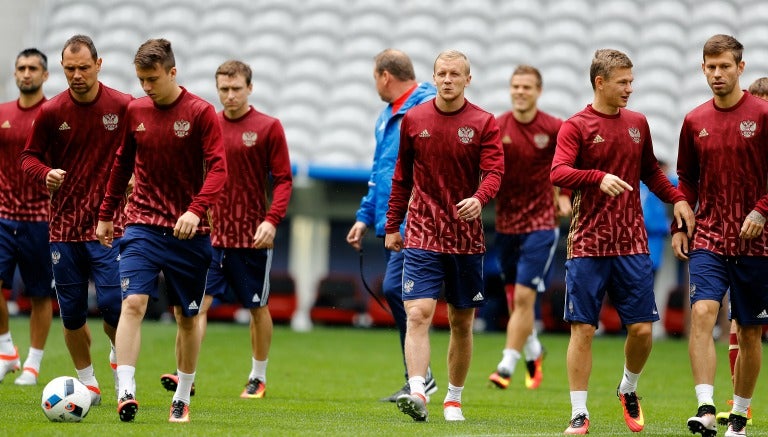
[65, 399]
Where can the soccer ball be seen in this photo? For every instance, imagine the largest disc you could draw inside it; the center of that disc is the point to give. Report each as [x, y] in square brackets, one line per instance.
[65, 399]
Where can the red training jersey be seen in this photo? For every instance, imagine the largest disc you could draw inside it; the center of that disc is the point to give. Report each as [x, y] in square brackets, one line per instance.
[722, 165]
[525, 202]
[256, 151]
[444, 158]
[21, 197]
[81, 139]
[177, 156]
[589, 145]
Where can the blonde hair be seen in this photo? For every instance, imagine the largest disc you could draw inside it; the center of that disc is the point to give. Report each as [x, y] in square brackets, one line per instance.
[449, 55]
[605, 61]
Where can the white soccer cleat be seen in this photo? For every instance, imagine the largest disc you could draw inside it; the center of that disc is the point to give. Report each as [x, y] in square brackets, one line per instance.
[27, 377]
[95, 395]
[414, 405]
[452, 411]
[9, 363]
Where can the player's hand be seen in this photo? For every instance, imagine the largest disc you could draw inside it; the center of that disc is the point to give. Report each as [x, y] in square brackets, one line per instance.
[613, 185]
[564, 207]
[54, 179]
[469, 209]
[393, 241]
[105, 232]
[684, 213]
[753, 226]
[355, 235]
[186, 226]
[264, 238]
[680, 245]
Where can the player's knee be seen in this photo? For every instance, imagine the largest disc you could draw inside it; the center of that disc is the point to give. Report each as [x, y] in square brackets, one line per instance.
[74, 322]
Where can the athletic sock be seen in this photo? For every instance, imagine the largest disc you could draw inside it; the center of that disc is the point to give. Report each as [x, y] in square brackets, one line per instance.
[87, 376]
[705, 394]
[532, 348]
[579, 403]
[628, 382]
[258, 370]
[185, 386]
[34, 359]
[417, 385]
[508, 361]
[6, 344]
[741, 405]
[454, 394]
[125, 380]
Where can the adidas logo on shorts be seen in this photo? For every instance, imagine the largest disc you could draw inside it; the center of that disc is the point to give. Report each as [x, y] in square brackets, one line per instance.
[763, 315]
[478, 297]
[193, 306]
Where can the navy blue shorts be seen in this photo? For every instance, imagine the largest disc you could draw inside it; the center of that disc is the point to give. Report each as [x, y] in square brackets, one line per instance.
[148, 250]
[246, 271]
[712, 275]
[628, 280]
[25, 244]
[526, 259]
[425, 272]
[74, 263]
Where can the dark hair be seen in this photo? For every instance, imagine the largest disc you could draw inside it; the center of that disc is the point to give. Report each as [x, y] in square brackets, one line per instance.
[720, 43]
[76, 42]
[232, 68]
[28, 53]
[527, 69]
[397, 63]
[153, 52]
[759, 87]
[605, 61]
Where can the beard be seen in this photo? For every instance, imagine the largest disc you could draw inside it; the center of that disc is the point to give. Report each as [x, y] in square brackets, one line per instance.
[29, 89]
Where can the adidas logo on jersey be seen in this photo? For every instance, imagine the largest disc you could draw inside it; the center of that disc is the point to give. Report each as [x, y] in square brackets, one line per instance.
[424, 134]
[255, 298]
[703, 133]
[763, 315]
[6, 125]
[598, 139]
[193, 306]
[478, 297]
[64, 126]
[140, 128]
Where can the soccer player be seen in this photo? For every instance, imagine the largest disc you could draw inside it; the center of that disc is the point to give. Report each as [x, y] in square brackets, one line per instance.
[24, 210]
[397, 86]
[449, 166]
[526, 223]
[722, 166]
[174, 147]
[71, 150]
[602, 154]
[243, 228]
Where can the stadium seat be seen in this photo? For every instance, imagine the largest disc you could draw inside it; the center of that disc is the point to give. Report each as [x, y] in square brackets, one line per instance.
[716, 12]
[617, 10]
[661, 35]
[559, 10]
[78, 13]
[130, 15]
[520, 29]
[282, 296]
[369, 23]
[272, 44]
[338, 300]
[229, 19]
[617, 34]
[667, 10]
[321, 22]
[119, 38]
[563, 33]
[176, 16]
[271, 20]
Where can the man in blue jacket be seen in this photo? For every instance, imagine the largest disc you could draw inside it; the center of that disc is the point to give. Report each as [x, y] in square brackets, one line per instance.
[397, 86]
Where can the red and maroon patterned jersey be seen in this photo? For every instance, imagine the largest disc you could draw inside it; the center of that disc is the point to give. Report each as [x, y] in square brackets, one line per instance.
[444, 158]
[21, 197]
[81, 139]
[256, 150]
[723, 165]
[589, 145]
[525, 202]
[177, 156]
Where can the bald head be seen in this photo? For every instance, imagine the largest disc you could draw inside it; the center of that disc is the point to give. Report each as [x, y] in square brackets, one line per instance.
[397, 63]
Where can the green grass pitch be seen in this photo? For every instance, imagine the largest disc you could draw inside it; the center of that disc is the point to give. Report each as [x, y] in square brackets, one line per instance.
[327, 383]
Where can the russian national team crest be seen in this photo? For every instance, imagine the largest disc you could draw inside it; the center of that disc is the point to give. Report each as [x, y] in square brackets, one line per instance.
[249, 138]
[110, 121]
[408, 286]
[635, 134]
[466, 134]
[747, 128]
[124, 283]
[181, 128]
[541, 140]
[55, 256]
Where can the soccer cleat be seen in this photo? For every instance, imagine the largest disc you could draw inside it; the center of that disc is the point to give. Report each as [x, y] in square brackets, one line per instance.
[452, 411]
[171, 380]
[430, 386]
[179, 412]
[414, 405]
[500, 379]
[633, 413]
[254, 389]
[406, 389]
[127, 407]
[27, 377]
[579, 425]
[737, 426]
[704, 422]
[9, 363]
[95, 395]
[534, 374]
[722, 417]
